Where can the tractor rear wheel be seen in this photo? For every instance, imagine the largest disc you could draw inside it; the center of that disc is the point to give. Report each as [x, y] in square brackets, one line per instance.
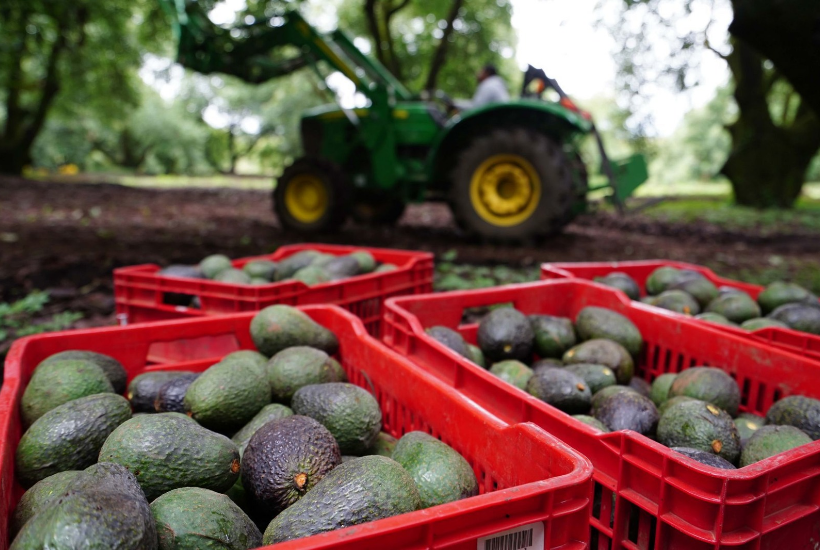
[311, 196]
[511, 185]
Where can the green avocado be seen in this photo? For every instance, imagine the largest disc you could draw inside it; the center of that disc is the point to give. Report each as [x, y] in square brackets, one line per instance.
[677, 300]
[770, 441]
[701, 426]
[214, 265]
[234, 276]
[660, 279]
[597, 377]
[699, 288]
[250, 358]
[476, 356]
[441, 474]
[805, 318]
[736, 307]
[762, 322]
[359, 491]
[293, 263]
[798, 411]
[659, 392]
[350, 413]
[746, 427]
[672, 401]
[367, 263]
[278, 327]
[780, 293]
[143, 389]
[622, 282]
[715, 318]
[384, 268]
[597, 322]
[553, 335]
[260, 269]
[603, 352]
[710, 385]
[505, 333]
[628, 411]
[562, 389]
[39, 497]
[299, 366]
[384, 445]
[274, 411]
[312, 275]
[112, 368]
[449, 338]
[591, 421]
[513, 372]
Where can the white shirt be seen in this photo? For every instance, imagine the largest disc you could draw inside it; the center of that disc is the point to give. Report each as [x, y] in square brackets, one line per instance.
[491, 90]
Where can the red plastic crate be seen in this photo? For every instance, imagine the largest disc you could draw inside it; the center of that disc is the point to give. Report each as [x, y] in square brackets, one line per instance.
[141, 295]
[799, 342]
[663, 500]
[527, 478]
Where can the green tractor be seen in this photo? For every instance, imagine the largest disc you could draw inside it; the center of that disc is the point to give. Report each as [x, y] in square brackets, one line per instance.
[509, 171]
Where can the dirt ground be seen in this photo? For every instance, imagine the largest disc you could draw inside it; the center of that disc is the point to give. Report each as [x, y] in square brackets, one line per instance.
[67, 238]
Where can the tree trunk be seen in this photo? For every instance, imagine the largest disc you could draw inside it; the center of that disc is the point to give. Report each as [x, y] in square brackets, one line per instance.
[13, 158]
[441, 50]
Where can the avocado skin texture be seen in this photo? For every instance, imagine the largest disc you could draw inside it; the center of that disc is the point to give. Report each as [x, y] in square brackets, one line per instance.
[622, 282]
[780, 293]
[770, 441]
[341, 267]
[513, 372]
[677, 300]
[562, 389]
[350, 413]
[383, 445]
[709, 459]
[359, 491]
[441, 474]
[597, 322]
[449, 338]
[227, 395]
[553, 335]
[299, 366]
[591, 421]
[249, 358]
[505, 333]
[172, 393]
[708, 384]
[311, 275]
[199, 519]
[260, 269]
[628, 411]
[54, 384]
[367, 263]
[69, 437]
[236, 276]
[182, 271]
[796, 410]
[167, 451]
[39, 497]
[746, 427]
[660, 279]
[737, 307]
[602, 395]
[603, 352]
[701, 426]
[278, 327]
[802, 317]
[274, 411]
[112, 368]
[672, 401]
[640, 385]
[597, 377]
[384, 268]
[476, 356]
[713, 317]
[762, 322]
[215, 264]
[659, 392]
[143, 389]
[294, 263]
[699, 288]
[543, 364]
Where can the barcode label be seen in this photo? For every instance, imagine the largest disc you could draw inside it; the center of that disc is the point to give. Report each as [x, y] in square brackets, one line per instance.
[526, 537]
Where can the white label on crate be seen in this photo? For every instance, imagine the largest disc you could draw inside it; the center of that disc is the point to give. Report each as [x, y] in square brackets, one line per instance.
[526, 537]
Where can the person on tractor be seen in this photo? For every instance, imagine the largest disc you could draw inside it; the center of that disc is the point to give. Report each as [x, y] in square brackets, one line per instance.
[491, 88]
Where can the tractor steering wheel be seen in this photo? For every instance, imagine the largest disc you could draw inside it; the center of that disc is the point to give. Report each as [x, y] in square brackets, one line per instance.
[448, 102]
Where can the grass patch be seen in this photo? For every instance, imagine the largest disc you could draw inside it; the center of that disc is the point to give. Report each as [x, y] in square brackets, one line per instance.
[805, 273]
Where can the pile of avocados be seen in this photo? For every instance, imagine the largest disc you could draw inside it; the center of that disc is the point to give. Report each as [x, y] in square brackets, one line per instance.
[308, 266]
[586, 368]
[781, 304]
[263, 447]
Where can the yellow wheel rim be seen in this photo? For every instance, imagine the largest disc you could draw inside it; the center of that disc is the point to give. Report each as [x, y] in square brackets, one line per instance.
[505, 190]
[306, 198]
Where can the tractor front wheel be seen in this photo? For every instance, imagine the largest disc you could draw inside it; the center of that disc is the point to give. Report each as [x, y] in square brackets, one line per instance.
[310, 196]
[512, 185]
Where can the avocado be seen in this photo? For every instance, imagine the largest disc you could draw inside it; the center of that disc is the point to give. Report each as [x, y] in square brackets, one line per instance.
[299, 366]
[622, 282]
[476, 356]
[640, 385]
[234, 276]
[752, 416]
[274, 411]
[672, 401]
[197, 518]
[660, 279]
[708, 384]
[214, 265]
[513, 372]
[597, 377]
[441, 474]
[112, 368]
[383, 445]
[710, 459]
[542, 364]
[56, 383]
[227, 395]
[590, 421]
[725, 290]
[40, 497]
[701, 426]
[746, 427]
[143, 389]
[384, 268]
[699, 288]
[802, 317]
[659, 392]
[69, 437]
[780, 293]
[628, 411]
[312, 275]
[737, 307]
[601, 323]
[278, 327]
[359, 491]
[602, 395]
[603, 352]
[107, 476]
[762, 322]
[167, 451]
[341, 267]
[553, 335]
[249, 357]
[182, 271]
[562, 389]
[677, 300]
[171, 395]
[322, 259]
[450, 339]
[648, 300]
[505, 333]
[350, 413]
[258, 281]
[798, 411]
[770, 441]
[715, 318]
[294, 263]
[260, 269]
